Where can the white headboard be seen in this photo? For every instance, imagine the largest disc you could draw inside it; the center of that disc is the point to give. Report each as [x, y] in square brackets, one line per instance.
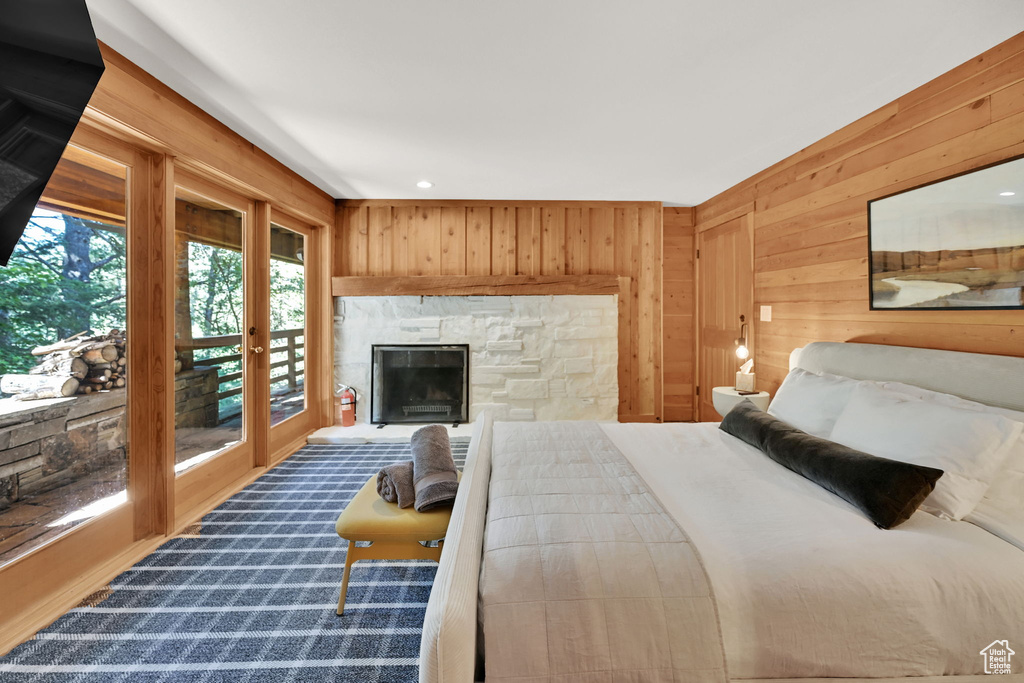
[993, 380]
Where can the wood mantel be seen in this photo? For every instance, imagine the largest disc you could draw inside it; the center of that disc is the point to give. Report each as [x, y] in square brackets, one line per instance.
[477, 285]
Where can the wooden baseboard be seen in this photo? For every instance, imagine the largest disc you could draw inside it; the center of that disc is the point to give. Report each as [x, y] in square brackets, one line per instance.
[288, 450]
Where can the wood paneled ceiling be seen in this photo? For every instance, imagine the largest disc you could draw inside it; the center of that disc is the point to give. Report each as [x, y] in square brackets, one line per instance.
[664, 100]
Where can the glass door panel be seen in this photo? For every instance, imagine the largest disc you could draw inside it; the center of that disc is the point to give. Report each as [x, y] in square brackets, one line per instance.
[63, 357]
[287, 323]
[210, 336]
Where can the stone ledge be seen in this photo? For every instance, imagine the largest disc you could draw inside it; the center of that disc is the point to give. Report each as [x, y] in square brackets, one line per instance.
[393, 433]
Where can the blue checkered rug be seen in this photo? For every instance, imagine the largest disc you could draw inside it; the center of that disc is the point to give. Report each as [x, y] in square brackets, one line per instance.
[252, 599]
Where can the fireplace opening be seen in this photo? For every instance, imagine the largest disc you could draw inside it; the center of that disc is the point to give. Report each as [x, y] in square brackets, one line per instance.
[420, 383]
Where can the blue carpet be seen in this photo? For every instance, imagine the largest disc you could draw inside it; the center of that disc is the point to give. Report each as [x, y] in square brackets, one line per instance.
[253, 598]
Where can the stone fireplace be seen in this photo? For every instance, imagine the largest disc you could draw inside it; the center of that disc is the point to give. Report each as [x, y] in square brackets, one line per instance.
[529, 357]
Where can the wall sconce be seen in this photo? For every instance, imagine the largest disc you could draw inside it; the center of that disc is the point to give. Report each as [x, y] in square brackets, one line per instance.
[742, 352]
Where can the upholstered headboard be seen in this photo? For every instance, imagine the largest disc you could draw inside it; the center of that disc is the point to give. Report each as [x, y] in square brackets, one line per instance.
[994, 380]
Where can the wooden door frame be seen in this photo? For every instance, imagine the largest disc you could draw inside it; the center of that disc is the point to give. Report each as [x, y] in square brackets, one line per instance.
[748, 219]
[201, 487]
[290, 434]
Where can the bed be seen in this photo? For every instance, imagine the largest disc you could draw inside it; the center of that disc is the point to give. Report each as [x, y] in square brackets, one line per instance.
[758, 574]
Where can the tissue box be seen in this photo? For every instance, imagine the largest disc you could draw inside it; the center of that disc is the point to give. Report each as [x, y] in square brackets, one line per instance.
[744, 382]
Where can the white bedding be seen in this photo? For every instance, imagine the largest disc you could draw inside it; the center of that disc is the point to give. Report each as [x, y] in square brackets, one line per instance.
[807, 586]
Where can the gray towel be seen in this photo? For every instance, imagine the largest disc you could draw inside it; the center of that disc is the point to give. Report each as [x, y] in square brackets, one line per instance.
[394, 484]
[434, 475]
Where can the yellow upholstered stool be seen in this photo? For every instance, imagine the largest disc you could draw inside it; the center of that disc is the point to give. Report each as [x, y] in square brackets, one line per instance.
[394, 533]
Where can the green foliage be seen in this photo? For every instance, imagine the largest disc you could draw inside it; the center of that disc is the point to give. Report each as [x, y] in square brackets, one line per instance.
[68, 275]
[28, 293]
[216, 304]
[287, 295]
[54, 287]
[215, 290]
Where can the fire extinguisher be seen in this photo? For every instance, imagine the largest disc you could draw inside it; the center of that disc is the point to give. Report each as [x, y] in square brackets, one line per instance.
[346, 406]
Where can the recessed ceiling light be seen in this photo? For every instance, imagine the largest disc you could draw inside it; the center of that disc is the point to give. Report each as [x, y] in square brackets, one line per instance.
[1007, 194]
[424, 184]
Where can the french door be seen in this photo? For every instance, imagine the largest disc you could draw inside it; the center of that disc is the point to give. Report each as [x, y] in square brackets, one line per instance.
[218, 343]
[293, 257]
[247, 382]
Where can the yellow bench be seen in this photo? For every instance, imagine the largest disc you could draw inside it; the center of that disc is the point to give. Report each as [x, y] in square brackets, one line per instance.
[395, 533]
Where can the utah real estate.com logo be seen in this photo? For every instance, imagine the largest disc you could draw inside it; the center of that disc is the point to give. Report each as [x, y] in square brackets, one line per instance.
[997, 657]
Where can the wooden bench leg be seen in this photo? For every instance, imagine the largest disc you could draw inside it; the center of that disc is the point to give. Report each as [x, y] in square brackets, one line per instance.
[349, 559]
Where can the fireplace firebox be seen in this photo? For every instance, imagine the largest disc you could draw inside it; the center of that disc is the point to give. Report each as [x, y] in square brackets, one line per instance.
[419, 383]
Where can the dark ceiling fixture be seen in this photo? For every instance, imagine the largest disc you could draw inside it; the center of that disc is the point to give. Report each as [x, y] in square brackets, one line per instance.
[50, 64]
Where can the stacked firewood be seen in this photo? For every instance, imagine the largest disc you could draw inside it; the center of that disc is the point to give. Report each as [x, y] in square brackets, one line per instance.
[79, 364]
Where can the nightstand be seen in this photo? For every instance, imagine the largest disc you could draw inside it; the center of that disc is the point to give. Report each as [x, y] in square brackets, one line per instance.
[724, 398]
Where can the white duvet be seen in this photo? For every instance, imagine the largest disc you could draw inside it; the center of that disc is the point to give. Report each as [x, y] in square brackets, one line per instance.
[807, 586]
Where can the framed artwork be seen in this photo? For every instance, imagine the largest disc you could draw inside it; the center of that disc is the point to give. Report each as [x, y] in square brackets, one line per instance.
[956, 243]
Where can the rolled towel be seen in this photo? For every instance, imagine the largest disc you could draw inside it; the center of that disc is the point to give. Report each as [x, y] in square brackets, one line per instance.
[394, 484]
[434, 476]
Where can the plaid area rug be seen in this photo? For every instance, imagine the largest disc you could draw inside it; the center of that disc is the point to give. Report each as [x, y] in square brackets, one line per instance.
[252, 598]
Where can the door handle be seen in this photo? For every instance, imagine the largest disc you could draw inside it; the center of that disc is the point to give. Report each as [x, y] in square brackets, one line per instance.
[256, 349]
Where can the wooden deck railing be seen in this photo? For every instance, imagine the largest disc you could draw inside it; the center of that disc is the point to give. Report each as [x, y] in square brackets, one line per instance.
[292, 373]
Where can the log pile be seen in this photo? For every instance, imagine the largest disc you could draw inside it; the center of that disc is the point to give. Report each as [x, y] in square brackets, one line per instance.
[79, 364]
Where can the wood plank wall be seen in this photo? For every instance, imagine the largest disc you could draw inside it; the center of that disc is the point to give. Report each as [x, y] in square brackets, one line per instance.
[678, 308]
[448, 237]
[810, 214]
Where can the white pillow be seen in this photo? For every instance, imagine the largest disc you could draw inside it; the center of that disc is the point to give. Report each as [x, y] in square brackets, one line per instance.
[969, 446]
[1001, 510]
[811, 402]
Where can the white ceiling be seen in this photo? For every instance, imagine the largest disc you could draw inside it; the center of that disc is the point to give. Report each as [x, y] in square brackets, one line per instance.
[670, 100]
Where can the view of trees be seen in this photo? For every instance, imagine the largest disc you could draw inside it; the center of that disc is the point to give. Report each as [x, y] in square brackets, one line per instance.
[66, 275]
[215, 290]
[287, 308]
[216, 303]
[287, 295]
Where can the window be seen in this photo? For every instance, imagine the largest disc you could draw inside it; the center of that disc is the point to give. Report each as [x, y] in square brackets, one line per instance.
[209, 317]
[64, 357]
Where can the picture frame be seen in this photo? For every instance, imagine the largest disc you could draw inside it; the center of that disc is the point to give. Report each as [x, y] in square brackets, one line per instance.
[952, 244]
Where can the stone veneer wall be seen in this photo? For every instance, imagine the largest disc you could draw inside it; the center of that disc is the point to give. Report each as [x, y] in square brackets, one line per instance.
[531, 357]
[195, 398]
[52, 442]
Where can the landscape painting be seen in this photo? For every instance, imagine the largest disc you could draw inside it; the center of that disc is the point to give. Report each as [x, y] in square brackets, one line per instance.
[956, 244]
